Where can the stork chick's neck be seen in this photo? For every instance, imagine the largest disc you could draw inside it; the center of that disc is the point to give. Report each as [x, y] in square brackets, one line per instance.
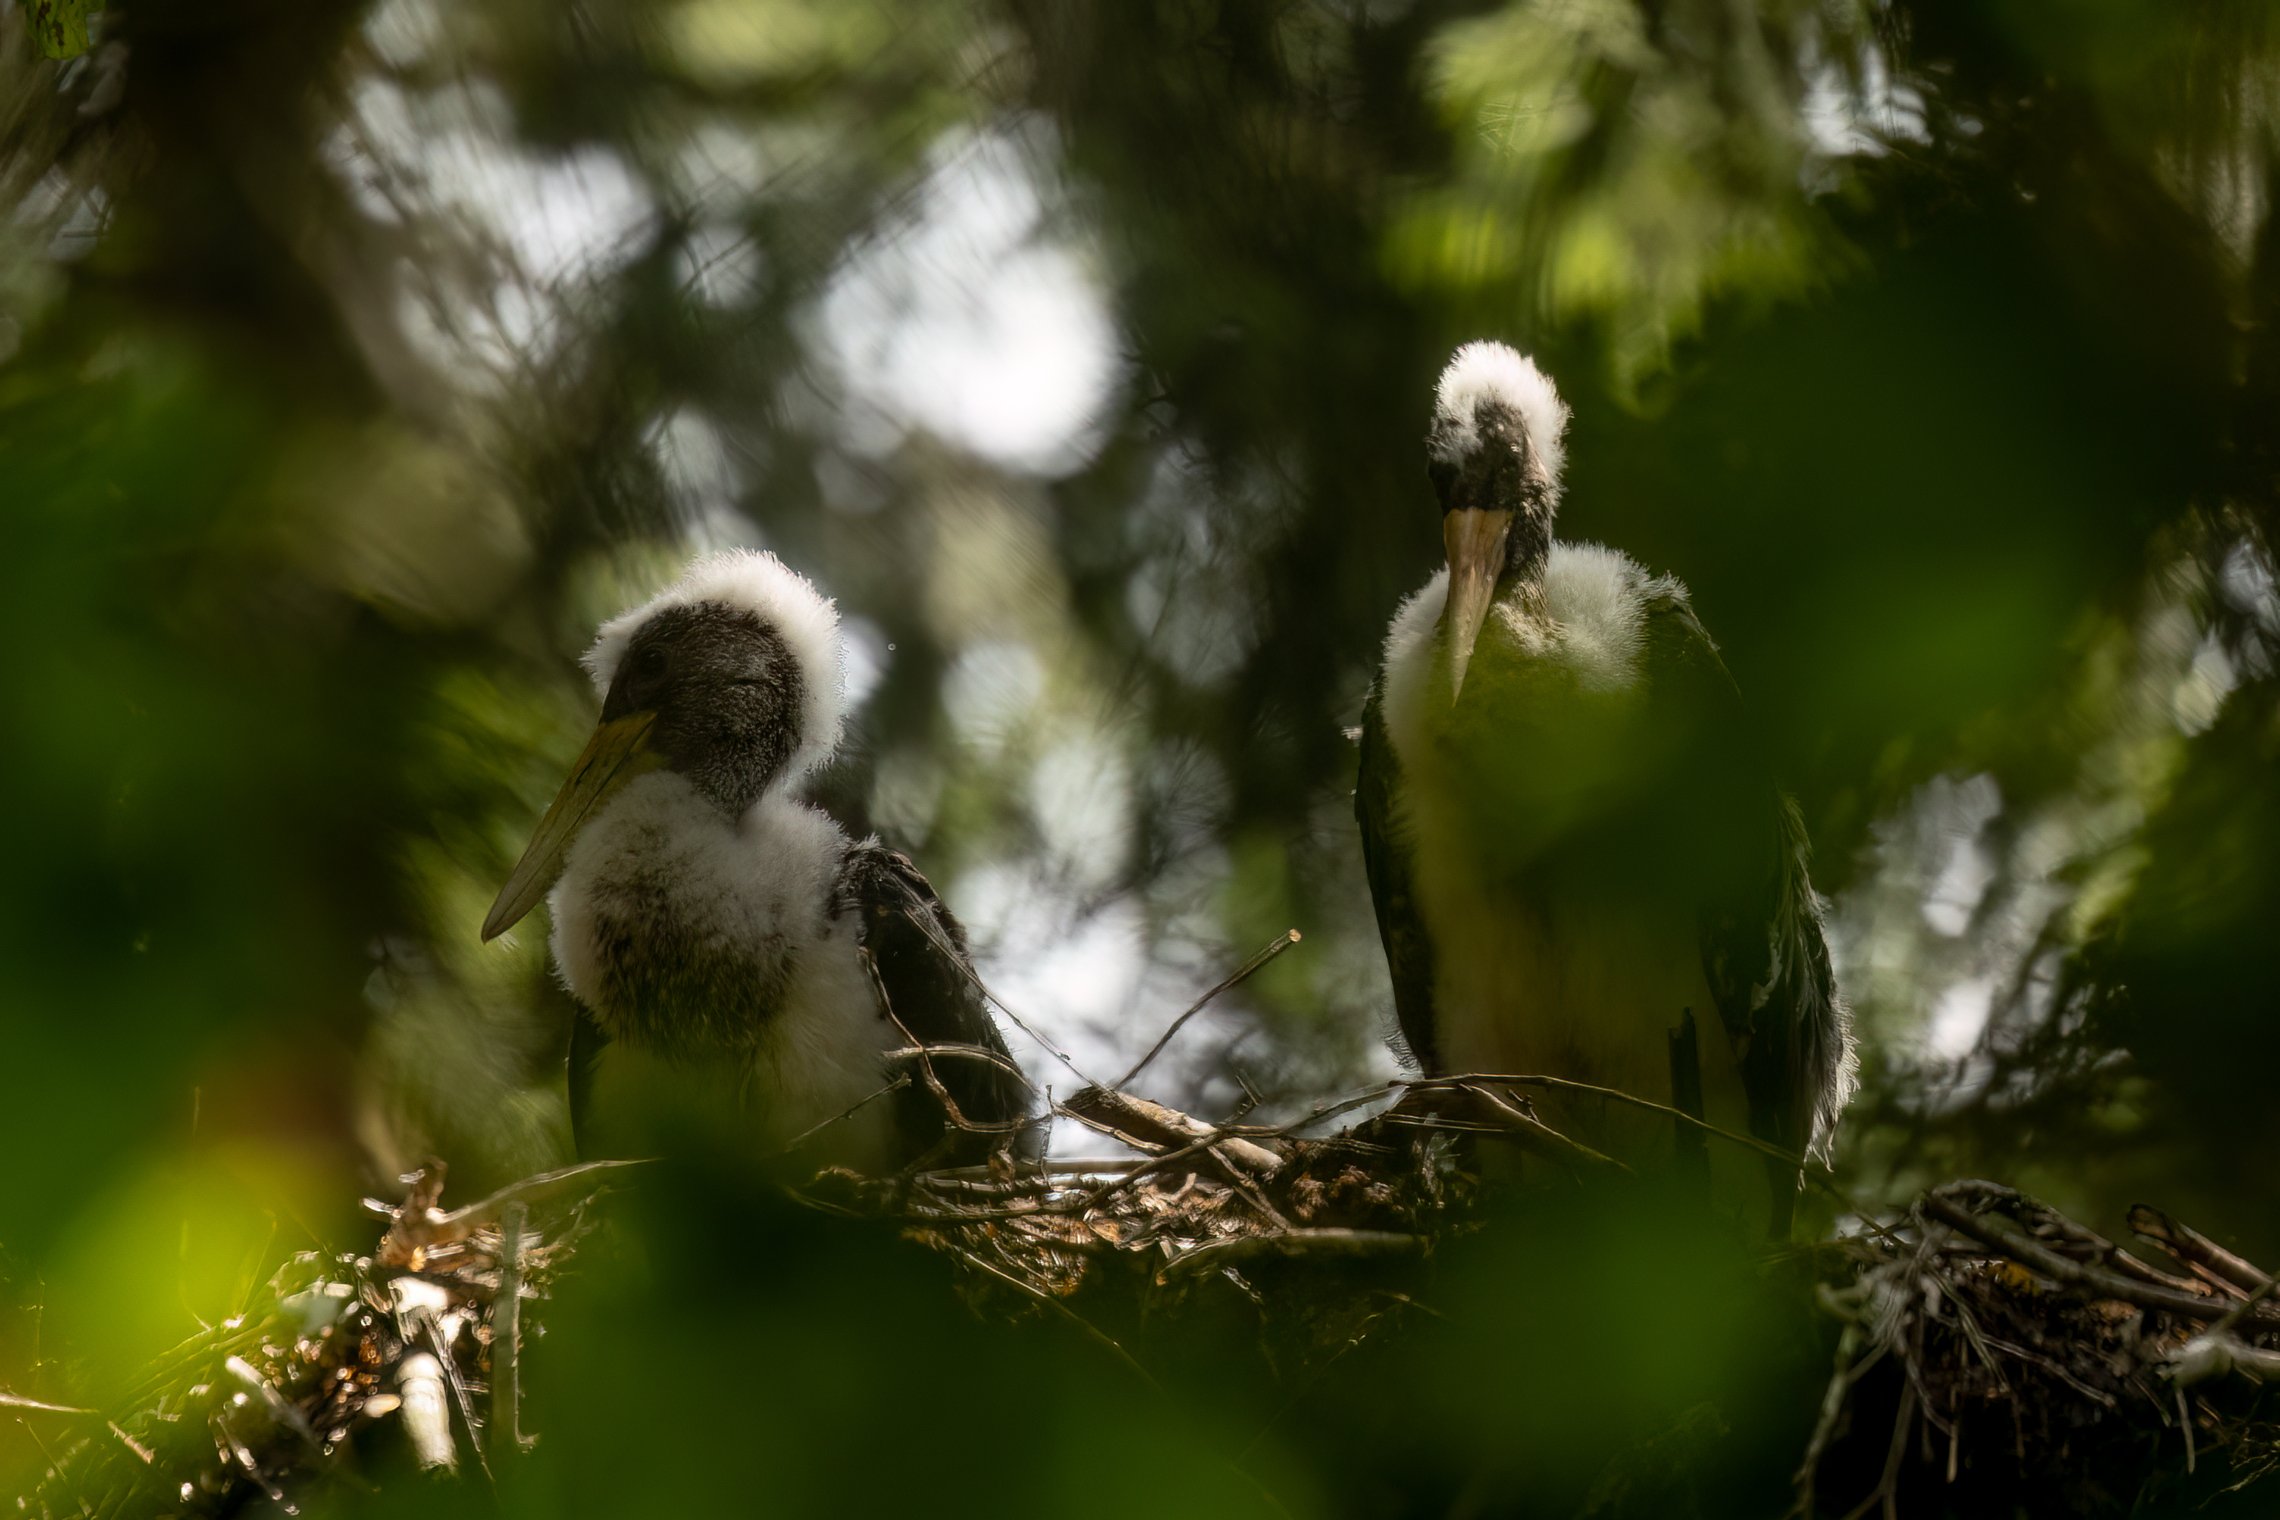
[736, 778]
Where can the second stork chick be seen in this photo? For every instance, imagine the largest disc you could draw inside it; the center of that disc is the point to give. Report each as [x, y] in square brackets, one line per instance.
[737, 958]
[1572, 836]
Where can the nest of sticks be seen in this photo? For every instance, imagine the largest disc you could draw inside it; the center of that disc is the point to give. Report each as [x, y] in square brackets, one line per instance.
[1998, 1351]
[340, 1365]
[1985, 1342]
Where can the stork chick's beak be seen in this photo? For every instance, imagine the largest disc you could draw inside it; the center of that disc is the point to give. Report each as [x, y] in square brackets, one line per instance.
[618, 752]
[1475, 539]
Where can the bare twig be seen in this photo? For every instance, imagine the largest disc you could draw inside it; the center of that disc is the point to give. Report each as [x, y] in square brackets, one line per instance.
[18, 1401]
[2047, 1364]
[506, 1335]
[900, 1081]
[1887, 1491]
[1156, 1127]
[959, 1050]
[925, 1053]
[2244, 1308]
[1524, 1127]
[1617, 1095]
[1266, 953]
[419, 1227]
[1994, 1230]
[426, 1414]
[1851, 1367]
[2106, 1252]
[1292, 1245]
[926, 925]
[2210, 1261]
[53, 1465]
[1090, 1330]
[142, 1453]
[2213, 1354]
[460, 1398]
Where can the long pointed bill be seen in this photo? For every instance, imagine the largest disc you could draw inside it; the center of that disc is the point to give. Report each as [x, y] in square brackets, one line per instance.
[616, 754]
[1474, 538]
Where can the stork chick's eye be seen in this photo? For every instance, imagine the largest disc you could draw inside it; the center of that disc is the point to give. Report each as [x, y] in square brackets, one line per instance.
[1443, 474]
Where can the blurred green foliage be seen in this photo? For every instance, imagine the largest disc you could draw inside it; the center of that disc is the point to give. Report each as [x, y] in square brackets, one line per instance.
[59, 27]
[358, 358]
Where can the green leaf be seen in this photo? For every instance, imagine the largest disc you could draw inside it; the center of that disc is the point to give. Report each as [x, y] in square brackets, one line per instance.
[60, 26]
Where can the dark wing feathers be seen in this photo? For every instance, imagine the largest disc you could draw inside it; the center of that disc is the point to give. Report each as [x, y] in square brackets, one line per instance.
[1385, 855]
[1764, 951]
[919, 949]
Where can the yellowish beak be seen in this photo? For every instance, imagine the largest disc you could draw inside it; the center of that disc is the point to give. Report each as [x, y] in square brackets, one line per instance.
[618, 752]
[1474, 538]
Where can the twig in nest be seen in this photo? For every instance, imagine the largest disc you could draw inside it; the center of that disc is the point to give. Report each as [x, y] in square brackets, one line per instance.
[1479, 1080]
[1851, 1368]
[1506, 1119]
[143, 1454]
[954, 956]
[1291, 1245]
[418, 1228]
[460, 1397]
[900, 1081]
[49, 1457]
[2210, 1262]
[1819, 1176]
[1091, 1331]
[2245, 1307]
[1266, 953]
[925, 1052]
[1083, 1202]
[1115, 1115]
[278, 1407]
[2096, 1396]
[2069, 1335]
[425, 1412]
[2106, 1253]
[506, 1334]
[1887, 1490]
[1998, 1232]
[959, 1050]
[1155, 1127]
[2213, 1353]
[18, 1401]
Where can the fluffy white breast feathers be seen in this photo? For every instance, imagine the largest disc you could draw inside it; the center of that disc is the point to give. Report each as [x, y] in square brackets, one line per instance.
[756, 582]
[1488, 371]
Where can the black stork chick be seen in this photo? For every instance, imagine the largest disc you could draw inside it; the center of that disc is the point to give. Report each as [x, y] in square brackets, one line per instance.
[740, 962]
[1572, 839]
